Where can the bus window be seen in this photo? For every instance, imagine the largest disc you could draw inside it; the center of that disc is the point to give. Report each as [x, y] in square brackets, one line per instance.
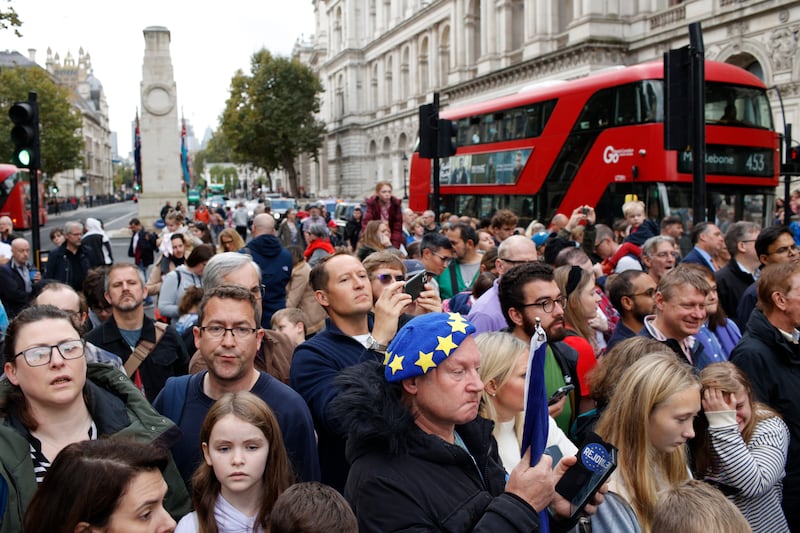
[596, 112]
[653, 101]
[626, 105]
[734, 105]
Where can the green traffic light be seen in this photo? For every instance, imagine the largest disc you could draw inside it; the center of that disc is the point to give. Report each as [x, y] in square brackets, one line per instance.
[24, 158]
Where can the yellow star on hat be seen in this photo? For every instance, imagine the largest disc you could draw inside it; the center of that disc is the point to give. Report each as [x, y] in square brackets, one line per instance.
[458, 323]
[397, 364]
[446, 344]
[425, 361]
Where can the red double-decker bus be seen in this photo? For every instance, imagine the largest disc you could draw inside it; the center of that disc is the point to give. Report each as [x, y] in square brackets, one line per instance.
[15, 197]
[598, 140]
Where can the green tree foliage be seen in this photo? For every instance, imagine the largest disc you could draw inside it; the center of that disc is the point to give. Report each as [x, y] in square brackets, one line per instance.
[217, 151]
[270, 117]
[59, 123]
[10, 19]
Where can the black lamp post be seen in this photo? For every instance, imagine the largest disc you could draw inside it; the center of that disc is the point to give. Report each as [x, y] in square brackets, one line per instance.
[405, 177]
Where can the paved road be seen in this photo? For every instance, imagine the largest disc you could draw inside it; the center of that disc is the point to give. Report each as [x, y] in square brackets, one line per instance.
[115, 218]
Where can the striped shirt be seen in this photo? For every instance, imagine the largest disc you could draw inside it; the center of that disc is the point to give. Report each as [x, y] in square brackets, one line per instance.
[756, 468]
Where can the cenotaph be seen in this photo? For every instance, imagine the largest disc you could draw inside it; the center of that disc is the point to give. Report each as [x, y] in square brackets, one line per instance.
[160, 132]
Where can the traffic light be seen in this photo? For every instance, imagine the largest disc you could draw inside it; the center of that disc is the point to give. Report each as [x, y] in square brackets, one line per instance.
[25, 133]
[448, 131]
[54, 189]
[428, 122]
[792, 164]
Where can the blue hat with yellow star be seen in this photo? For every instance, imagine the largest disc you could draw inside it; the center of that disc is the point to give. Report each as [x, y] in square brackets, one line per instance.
[423, 343]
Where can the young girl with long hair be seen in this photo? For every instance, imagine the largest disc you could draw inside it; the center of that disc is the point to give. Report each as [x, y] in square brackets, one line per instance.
[245, 469]
[649, 419]
[741, 446]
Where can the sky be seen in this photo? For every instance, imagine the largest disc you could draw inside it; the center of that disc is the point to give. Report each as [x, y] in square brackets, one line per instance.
[209, 43]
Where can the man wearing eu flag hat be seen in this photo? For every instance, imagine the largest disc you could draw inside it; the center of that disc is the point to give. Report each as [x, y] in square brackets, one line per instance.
[421, 458]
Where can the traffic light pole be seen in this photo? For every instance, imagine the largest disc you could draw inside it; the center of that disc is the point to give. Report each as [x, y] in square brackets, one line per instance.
[697, 119]
[34, 190]
[435, 204]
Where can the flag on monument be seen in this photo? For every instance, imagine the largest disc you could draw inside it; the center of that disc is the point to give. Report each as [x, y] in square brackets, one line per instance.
[185, 155]
[137, 153]
[535, 428]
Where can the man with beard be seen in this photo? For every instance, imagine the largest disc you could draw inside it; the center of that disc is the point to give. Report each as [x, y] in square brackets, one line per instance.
[128, 327]
[680, 312]
[528, 292]
[632, 293]
[228, 336]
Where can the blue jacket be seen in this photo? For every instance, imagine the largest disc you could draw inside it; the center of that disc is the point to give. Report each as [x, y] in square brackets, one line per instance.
[694, 257]
[275, 263]
[315, 365]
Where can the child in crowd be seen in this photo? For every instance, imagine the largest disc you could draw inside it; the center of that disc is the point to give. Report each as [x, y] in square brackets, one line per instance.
[292, 322]
[246, 468]
[312, 508]
[741, 445]
[696, 507]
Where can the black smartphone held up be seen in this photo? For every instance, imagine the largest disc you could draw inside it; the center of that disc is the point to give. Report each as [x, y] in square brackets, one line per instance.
[596, 461]
[560, 393]
[416, 284]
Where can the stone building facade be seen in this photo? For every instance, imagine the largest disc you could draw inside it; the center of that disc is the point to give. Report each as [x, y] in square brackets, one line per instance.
[378, 60]
[95, 178]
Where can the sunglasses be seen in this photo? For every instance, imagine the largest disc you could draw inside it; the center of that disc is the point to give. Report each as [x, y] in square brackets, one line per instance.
[386, 279]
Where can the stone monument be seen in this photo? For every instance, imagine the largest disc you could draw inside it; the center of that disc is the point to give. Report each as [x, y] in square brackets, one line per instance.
[160, 133]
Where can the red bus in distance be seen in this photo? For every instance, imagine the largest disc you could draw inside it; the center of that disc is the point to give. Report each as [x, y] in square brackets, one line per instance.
[597, 140]
[15, 200]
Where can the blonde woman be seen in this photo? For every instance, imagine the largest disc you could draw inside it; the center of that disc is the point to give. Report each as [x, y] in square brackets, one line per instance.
[649, 419]
[504, 363]
[230, 241]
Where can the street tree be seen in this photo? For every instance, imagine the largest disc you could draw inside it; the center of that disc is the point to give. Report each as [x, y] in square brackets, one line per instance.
[59, 123]
[270, 118]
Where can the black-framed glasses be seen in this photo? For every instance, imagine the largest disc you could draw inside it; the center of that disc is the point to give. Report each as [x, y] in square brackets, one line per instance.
[784, 250]
[445, 259]
[650, 293]
[515, 262]
[40, 355]
[259, 292]
[549, 304]
[238, 332]
[386, 279]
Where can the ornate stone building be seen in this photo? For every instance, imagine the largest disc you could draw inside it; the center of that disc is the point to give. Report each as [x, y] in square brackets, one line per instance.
[380, 59]
[96, 176]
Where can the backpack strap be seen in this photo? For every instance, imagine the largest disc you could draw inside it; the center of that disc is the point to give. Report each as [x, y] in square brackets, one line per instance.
[453, 277]
[174, 397]
[143, 349]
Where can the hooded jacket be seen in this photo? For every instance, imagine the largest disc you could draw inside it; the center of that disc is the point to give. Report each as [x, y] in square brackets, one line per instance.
[395, 221]
[275, 263]
[119, 411]
[772, 364]
[402, 478]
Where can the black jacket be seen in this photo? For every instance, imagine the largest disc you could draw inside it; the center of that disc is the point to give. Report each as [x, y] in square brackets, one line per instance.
[66, 267]
[731, 284]
[772, 364]
[147, 246]
[12, 290]
[167, 359]
[404, 479]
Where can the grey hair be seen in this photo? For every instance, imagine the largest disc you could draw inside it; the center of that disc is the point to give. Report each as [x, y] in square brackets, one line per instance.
[73, 224]
[223, 264]
[650, 245]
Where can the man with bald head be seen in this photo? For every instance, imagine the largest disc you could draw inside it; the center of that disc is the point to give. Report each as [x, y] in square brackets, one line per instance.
[486, 314]
[275, 263]
[17, 278]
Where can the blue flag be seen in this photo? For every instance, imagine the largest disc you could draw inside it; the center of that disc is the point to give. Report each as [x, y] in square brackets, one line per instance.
[534, 432]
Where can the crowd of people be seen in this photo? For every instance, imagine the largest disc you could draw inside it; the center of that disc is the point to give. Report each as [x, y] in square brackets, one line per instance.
[291, 380]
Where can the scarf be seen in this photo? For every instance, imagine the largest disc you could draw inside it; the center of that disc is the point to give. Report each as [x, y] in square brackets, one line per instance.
[321, 243]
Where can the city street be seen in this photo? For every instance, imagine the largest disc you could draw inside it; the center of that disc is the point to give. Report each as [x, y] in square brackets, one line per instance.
[115, 217]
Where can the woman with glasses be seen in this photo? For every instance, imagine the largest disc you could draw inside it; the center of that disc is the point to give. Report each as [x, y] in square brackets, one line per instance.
[230, 241]
[52, 398]
[385, 268]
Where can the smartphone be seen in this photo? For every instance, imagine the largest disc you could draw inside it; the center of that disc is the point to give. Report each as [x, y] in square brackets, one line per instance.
[585, 210]
[416, 284]
[597, 459]
[560, 393]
